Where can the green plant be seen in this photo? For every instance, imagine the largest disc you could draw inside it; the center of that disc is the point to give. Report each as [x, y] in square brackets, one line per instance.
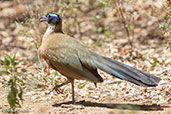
[15, 92]
[154, 63]
[165, 26]
[81, 85]
[101, 29]
[169, 43]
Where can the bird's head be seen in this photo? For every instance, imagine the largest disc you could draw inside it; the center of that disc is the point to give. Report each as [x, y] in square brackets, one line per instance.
[53, 19]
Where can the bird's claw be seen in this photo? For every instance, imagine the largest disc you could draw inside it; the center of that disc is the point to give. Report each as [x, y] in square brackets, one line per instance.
[57, 90]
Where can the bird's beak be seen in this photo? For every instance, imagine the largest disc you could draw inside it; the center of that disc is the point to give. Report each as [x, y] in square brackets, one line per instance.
[43, 18]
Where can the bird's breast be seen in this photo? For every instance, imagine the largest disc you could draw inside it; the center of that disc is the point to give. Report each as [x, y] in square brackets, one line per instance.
[43, 53]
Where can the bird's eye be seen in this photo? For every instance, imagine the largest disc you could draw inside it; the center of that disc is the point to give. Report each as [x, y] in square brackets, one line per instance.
[49, 16]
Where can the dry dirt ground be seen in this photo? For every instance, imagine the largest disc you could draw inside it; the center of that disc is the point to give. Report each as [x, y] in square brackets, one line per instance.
[113, 96]
[105, 99]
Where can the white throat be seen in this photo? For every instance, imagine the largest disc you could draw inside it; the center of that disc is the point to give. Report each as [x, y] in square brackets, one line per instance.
[49, 31]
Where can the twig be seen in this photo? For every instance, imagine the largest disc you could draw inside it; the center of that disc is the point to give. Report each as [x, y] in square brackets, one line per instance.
[120, 12]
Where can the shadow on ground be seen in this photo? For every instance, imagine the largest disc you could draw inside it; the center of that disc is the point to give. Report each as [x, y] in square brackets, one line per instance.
[116, 106]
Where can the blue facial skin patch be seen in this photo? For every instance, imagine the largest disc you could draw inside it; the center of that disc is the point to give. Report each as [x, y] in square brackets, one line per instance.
[53, 15]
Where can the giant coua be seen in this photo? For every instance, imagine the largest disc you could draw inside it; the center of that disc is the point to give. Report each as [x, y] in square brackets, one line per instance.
[73, 60]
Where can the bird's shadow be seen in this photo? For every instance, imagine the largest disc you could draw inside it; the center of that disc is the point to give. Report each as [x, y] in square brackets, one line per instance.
[116, 106]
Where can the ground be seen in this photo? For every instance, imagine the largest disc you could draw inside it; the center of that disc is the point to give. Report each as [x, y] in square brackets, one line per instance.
[146, 47]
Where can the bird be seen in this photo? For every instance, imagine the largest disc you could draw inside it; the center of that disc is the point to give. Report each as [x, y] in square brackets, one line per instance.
[73, 60]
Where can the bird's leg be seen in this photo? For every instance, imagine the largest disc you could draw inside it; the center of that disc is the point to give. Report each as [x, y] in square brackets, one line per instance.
[95, 84]
[58, 86]
[73, 93]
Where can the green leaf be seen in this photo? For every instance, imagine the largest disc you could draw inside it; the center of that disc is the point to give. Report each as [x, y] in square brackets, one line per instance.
[161, 26]
[10, 59]
[5, 72]
[14, 95]
[81, 85]
[168, 17]
[7, 61]
[155, 62]
[12, 92]
[39, 44]
[16, 63]
[13, 59]
[100, 29]
[131, 26]
[20, 81]
[20, 95]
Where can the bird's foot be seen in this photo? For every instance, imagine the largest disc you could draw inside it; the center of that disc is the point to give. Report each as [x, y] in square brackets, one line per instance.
[57, 90]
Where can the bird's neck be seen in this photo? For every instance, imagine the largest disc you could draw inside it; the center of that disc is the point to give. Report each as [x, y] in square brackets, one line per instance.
[54, 29]
[50, 30]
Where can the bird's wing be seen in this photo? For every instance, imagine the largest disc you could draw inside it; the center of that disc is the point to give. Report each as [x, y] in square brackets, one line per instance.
[75, 63]
[87, 59]
[68, 50]
[76, 58]
[64, 56]
[72, 59]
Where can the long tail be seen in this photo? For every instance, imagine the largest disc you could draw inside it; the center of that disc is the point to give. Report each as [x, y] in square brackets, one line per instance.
[127, 73]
